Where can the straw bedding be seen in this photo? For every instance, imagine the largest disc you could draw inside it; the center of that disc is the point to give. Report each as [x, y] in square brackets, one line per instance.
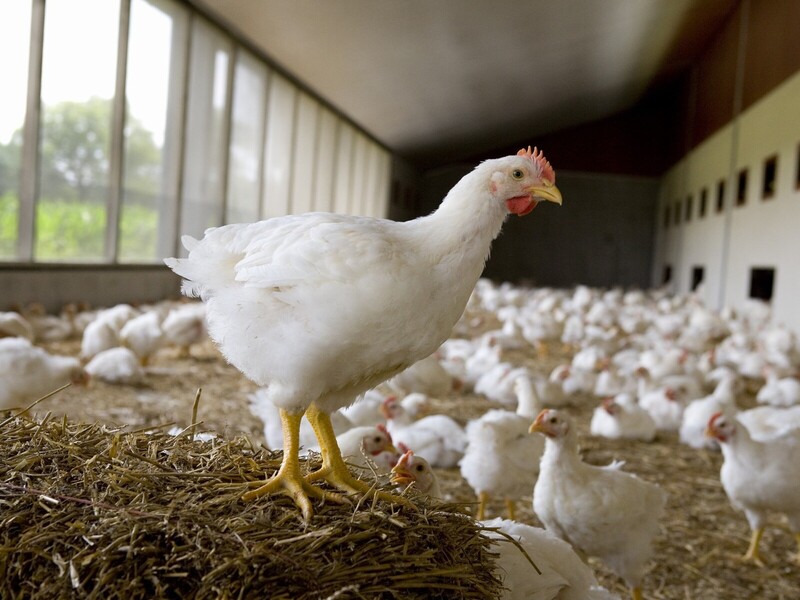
[696, 555]
[93, 511]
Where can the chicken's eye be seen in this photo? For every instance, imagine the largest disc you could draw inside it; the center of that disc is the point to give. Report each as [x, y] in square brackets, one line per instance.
[553, 420]
[517, 174]
[377, 440]
[420, 468]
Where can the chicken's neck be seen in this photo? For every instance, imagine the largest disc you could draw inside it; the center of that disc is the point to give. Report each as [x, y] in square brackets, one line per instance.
[461, 230]
[562, 453]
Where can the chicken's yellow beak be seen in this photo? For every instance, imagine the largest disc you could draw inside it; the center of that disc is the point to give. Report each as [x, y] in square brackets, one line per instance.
[538, 425]
[546, 191]
[401, 475]
[391, 449]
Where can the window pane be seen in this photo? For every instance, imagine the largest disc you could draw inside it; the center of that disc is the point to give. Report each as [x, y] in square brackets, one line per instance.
[247, 139]
[76, 128]
[280, 126]
[304, 151]
[156, 65]
[360, 165]
[343, 192]
[15, 27]
[205, 154]
[326, 157]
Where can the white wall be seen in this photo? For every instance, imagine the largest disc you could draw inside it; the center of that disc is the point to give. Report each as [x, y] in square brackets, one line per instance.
[763, 232]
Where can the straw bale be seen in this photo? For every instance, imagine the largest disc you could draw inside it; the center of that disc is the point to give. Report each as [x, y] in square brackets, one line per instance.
[94, 511]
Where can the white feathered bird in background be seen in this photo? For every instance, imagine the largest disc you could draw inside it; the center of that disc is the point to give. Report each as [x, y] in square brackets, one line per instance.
[28, 372]
[601, 511]
[322, 307]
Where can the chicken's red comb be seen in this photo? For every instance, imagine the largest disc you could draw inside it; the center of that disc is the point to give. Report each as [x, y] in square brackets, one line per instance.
[382, 428]
[403, 461]
[389, 400]
[536, 156]
[714, 418]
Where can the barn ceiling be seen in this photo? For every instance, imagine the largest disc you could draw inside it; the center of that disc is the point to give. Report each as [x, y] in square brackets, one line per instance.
[436, 81]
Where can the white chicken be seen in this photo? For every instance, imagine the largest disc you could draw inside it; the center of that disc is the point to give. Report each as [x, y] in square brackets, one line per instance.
[766, 422]
[426, 376]
[501, 457]
[665, 406]
[698, 412]
[601, 511]
[13, 324]
[143, 335]
[322, 307]
[759, 477]
[360, 443]
[620, 417]
[562, 574]
[779, 391]
[437, 438]
[116, 365]
[185, 326]
[28, 372]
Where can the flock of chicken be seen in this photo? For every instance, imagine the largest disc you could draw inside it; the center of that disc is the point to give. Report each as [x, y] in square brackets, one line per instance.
[654, 362]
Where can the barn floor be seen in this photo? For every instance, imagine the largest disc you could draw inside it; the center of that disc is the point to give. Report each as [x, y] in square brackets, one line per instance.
[701, 537]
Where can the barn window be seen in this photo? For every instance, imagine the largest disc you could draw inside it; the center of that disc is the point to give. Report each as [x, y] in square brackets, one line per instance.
[689, 203]
[667, 275]
[762, 280]
[768, 184]
[741, 188]
[721, 195]
[698, 274]
[703, 203]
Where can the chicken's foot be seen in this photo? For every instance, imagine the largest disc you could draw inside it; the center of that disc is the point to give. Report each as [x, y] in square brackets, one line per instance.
[289, 479]
[334, 470]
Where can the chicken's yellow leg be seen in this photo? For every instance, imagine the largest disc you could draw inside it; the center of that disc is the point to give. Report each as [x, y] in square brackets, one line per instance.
[483, 500]
[334, 470]
[752, 552]
[289, 480]
[636, 593]
[510, 509]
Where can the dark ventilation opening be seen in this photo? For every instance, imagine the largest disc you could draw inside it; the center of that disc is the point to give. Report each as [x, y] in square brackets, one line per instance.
[741, 188]
[703, 202]
[677, 213]
[667, 277]
[762, 281]
[768, 185]
[689, 203]
[698, 273]
[721, 195]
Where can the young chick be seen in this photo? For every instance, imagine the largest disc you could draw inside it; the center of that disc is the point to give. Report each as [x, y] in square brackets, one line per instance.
[13, 324]
[28, 372]
[759, 477]
[601, 511]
